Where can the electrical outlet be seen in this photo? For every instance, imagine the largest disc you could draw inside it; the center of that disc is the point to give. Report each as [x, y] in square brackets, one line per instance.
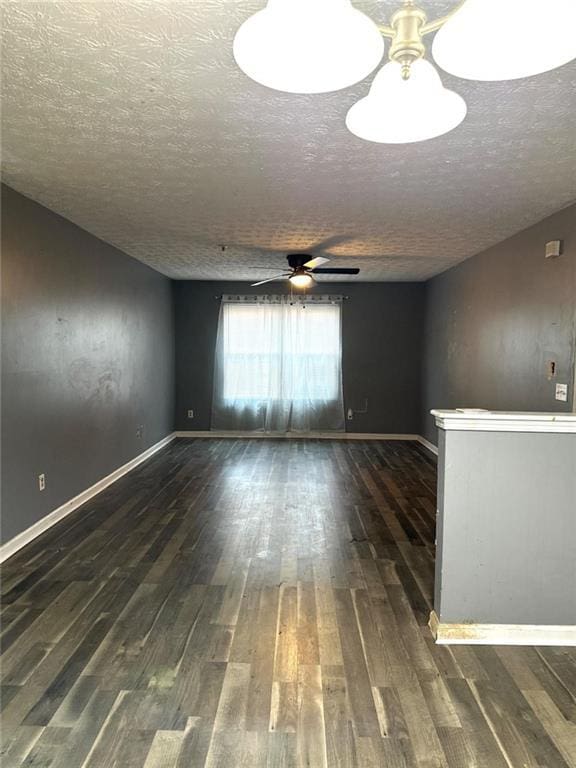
[551, 369]
[562, 392]
[190, 414]
[139, 432]
[41, 482]
[350, 414]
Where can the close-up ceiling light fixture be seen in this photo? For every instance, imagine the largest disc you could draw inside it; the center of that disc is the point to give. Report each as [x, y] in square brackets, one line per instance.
[317, 46]
[301, 279]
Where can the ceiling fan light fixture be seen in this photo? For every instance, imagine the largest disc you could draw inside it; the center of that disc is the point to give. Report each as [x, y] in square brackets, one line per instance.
[301, 279]
[308, 46]
[402, 111]
[494, 40]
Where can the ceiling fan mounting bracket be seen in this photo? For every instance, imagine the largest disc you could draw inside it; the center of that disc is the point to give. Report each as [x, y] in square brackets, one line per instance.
[296, 260]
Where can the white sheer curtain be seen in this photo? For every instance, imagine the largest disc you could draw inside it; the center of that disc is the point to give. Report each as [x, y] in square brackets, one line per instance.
[279, 364]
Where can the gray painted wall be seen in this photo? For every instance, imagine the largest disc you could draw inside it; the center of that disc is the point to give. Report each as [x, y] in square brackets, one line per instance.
[493, 321]
[87, 357]
[506, 528]
[382, 351]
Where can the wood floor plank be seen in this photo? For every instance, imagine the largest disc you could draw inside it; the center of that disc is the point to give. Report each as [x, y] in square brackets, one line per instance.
[310, 738]
[231, 713]
[423, 735]
[165, 749]
[390, 714]
[481, 740]
[561, 731]
[286, 652]
[339, 732]
[262, 666]
[359, 685]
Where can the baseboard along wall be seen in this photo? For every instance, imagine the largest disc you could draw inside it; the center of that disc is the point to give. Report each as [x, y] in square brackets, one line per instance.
[500, 634]
[12, 546]
[310, 435]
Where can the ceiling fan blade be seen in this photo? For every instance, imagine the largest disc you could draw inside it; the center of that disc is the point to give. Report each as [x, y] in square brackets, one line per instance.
[315, 262]
[269, 280]
[337, 271]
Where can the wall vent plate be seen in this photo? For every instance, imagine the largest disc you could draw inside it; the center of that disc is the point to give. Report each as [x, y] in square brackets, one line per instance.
[553, 249]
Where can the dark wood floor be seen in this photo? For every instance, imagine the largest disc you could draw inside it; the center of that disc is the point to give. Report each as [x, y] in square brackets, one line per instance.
[262, 604]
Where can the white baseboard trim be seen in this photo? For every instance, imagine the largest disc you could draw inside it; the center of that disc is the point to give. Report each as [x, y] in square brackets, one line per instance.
[12, 546]
[299, 435]
[427, 444]
[501, 634]
[316, 435]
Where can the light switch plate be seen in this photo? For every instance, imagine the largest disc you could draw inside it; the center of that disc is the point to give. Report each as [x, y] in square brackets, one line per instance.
[562, 392]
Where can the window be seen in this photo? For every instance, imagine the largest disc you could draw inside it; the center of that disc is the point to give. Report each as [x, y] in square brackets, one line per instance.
[281, 357]
[270, 353]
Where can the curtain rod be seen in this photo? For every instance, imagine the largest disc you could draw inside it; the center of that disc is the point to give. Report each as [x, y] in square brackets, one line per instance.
[344, 298]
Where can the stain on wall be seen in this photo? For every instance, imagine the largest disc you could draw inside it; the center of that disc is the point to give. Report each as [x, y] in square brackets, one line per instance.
[87, 360]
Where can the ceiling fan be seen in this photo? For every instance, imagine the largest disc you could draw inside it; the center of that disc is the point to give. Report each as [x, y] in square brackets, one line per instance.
[302, 268]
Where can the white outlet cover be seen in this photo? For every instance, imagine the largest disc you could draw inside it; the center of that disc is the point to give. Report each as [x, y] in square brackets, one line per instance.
[562, 392]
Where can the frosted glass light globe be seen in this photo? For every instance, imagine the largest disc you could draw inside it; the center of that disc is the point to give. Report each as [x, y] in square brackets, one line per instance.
[398, 111]
[507, 39]
[301, 280]
[308, 46]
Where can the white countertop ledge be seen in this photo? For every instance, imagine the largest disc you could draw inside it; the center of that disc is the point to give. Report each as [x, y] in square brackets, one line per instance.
[464, 419]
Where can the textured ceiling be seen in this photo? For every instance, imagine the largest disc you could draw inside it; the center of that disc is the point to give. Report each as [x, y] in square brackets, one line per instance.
[131, 119]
